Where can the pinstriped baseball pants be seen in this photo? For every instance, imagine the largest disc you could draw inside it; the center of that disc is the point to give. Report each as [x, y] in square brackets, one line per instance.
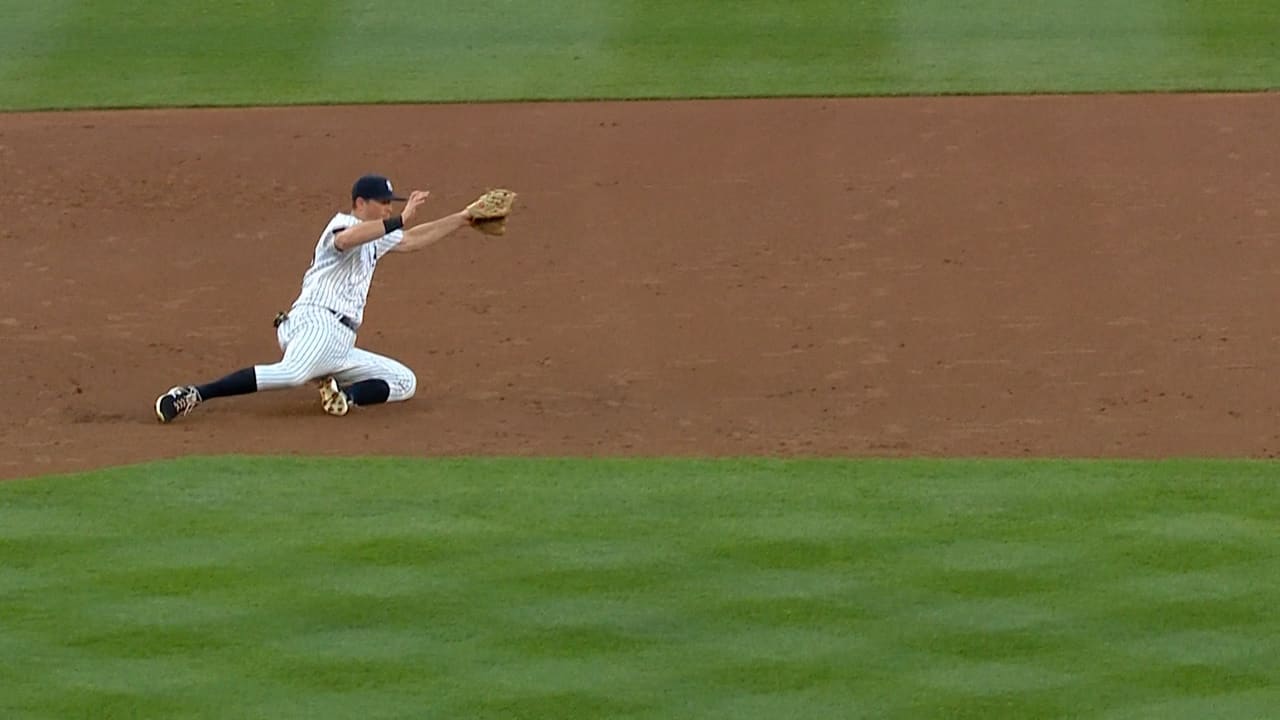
[316, 345]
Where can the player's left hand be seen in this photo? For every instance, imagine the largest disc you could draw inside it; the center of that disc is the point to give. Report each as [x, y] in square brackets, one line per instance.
[413, 205]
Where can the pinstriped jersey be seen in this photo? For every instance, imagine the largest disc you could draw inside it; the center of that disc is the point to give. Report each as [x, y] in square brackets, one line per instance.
[339, 280]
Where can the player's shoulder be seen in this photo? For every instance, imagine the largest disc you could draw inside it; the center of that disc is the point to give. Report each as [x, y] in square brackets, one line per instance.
[342, 220]
[339, 222]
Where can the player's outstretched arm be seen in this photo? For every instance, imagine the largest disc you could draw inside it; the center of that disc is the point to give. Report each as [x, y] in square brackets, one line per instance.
[371, 230]
[429, 233]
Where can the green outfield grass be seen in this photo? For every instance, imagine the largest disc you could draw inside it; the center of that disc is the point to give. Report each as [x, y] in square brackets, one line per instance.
[294, 588]
[82, 53]
[281, 589]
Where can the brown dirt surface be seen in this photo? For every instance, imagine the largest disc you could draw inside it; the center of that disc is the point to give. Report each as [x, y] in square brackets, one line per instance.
[1088, 276]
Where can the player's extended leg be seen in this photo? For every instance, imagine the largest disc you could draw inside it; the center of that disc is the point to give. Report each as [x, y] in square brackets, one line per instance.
[315, 345]
[367, 379]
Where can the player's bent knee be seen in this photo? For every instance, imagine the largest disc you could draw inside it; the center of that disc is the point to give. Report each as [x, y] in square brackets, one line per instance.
[404, 386]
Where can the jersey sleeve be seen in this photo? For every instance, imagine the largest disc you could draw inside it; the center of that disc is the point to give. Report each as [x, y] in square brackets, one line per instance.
[340, 222]
[383, 245]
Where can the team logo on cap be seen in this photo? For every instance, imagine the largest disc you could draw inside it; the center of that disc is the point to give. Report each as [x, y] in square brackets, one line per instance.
[389, 188]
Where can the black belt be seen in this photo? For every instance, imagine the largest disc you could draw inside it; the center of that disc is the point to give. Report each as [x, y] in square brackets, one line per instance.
[351, 324]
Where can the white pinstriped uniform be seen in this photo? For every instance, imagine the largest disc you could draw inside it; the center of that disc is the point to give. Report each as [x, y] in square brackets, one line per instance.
[315, 343]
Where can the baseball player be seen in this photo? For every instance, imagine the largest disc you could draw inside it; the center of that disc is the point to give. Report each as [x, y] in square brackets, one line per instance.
[317, 335]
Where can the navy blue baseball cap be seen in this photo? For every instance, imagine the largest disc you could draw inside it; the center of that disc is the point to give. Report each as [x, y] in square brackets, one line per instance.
[374, 187]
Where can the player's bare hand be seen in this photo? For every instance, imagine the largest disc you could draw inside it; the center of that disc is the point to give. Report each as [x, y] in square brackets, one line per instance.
[413, 206]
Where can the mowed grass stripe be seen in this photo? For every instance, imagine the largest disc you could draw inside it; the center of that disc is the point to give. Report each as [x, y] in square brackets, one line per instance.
[431, 51]
[142, 53]
[1114, 45]
[751, 588]
[184, 52]
[29, 35]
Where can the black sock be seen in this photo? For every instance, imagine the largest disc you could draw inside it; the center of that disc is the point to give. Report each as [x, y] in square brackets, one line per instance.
[240, 382]
[369, 392]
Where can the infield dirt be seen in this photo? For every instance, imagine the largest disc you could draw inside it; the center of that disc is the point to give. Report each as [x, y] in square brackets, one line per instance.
[1089, 276]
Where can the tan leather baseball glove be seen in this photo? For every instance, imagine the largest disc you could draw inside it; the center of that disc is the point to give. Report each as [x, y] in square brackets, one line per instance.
[489, 212]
